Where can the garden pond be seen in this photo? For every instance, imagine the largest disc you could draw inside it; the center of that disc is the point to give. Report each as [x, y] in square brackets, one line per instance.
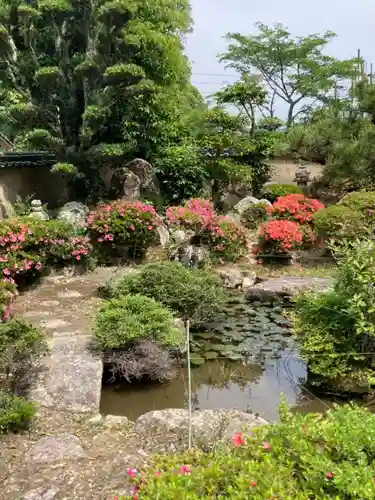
[244, 360]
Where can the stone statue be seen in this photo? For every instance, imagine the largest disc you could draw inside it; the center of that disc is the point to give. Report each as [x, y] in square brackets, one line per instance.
[302, 176]
[38, 211]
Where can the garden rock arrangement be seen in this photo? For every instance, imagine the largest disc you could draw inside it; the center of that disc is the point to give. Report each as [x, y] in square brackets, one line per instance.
[169, 428]
[286, 286]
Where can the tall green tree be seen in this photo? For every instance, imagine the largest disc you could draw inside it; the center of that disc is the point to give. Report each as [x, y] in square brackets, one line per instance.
[294, 69]
[95, 81]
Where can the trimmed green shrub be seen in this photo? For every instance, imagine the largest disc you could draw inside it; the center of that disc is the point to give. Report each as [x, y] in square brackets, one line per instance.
[360, 201]
[21, 345]
[336, 328]
[274, 191]
[15, 412]
[339, 222]
[134, 318]
[254, 215]
[302, 457]
[193, 294]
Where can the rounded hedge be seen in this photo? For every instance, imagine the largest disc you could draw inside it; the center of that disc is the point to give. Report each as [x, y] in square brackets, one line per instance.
[361, 201]
[339, 222]
[193, 294]
[130, 319]
[274, 191]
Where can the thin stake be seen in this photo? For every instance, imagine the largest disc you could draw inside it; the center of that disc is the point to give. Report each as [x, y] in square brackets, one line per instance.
[189, 381]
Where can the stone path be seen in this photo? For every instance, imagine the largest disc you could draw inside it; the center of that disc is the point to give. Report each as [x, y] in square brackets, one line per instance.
[70, 453]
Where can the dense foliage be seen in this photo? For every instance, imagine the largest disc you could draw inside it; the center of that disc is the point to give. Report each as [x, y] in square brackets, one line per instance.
[255, 214]
[339, 222]
[303, 456]
[122, 228]
[193, 294]
[336, 329]
[131, 319]
[69, 68]
[273, 191]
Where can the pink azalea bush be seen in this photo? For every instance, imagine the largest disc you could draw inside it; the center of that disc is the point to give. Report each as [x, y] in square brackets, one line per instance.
[225, 238]
[28, 245]
[121, 228]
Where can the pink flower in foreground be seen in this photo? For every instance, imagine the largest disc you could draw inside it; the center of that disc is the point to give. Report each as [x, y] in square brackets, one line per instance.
[131, 472]
[238, 440]
[185, 469]
[266, 446]
[330, 475]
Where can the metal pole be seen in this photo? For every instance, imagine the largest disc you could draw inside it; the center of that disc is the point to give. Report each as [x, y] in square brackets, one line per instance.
[189, 381]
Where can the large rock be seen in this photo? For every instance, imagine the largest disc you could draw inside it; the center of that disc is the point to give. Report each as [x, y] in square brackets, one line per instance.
[74, 212]
[56, 448]
[286, 286]
[245, 203]
[231, 277]
[190, 255]
[42, 493]
[136, 179]
[170, 426]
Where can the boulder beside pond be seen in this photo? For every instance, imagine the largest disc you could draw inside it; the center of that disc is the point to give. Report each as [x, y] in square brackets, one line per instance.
[245, 203]
[74, 213]
[168, 429]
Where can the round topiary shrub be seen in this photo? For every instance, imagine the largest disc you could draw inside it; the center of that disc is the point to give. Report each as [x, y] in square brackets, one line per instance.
[15, 412]
[360, 201]
[274, 191]
[193, 294]
[254, 215]
[120, 323]
[339, 222]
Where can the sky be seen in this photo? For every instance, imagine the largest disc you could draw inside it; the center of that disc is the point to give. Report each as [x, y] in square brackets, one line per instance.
[352, 21]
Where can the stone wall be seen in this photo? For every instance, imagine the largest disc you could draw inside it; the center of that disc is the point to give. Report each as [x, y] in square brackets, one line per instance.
[37, 181]
[284, 169]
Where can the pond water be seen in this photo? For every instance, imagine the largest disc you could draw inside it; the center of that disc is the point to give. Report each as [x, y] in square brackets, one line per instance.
[244, 360]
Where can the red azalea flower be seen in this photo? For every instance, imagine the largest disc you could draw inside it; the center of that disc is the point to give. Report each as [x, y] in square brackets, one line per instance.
[330, 475]
[253, 484]
[238, 440]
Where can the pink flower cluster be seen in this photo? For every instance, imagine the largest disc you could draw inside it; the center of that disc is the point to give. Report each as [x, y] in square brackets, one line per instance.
[196, 213]
[225, 238]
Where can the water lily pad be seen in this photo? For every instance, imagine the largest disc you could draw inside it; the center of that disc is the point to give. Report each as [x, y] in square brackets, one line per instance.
[211, 355]
[205, 335]
[196, 360]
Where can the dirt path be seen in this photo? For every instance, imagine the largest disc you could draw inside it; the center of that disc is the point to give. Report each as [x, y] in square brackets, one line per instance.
[70, 452]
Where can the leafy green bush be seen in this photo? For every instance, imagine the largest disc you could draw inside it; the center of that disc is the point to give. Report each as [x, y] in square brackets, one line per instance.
[339, 222]
[360, 201]
[180, 172]
[336, 328]
[192, 294]
[274, 191]
[303, 456]
[15, 412]
[254, 215]
[134, 318]
[8, 292]
[21, 344]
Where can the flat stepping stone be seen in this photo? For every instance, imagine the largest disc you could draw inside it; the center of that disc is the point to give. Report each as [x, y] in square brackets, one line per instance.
[72, 383]
[54, 324]
[286, 286]
[55, 449]
[69, 294]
